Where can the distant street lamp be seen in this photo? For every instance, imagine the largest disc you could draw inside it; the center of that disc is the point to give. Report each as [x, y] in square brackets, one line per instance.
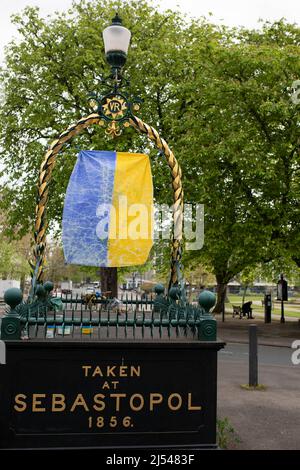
[282, 294]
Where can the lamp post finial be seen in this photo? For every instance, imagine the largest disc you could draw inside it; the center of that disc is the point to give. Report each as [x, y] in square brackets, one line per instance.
[117, 20]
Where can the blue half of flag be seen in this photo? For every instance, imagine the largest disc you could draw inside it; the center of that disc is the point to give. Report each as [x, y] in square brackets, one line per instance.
[90, 185]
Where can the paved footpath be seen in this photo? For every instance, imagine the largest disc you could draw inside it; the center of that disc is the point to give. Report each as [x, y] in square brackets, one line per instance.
[267, 419]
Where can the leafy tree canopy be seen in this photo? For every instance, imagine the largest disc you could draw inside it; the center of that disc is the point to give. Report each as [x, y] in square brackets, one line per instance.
[220, 96]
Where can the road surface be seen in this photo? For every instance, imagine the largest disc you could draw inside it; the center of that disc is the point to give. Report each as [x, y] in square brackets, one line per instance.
[267, 419]
[266, 355]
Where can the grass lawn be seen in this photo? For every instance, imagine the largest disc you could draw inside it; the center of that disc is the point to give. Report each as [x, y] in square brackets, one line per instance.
[235, 299]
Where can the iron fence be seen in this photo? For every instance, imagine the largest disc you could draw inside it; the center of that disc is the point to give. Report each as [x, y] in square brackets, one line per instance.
[91, 318]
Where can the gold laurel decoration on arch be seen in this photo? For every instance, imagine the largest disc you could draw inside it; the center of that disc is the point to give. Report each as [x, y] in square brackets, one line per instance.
[45, 174]
[44, 179]
[176, 174]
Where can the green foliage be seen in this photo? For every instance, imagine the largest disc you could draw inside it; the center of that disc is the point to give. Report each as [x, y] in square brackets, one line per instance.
[6, 258]
[221, 97]
[271, 271]
[47, 80]
[226, 434]
[13, 259]
[244, 131]
[57, 270]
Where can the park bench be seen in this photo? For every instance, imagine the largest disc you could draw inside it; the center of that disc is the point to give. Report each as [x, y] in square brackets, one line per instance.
[236, 310]
[242, 311]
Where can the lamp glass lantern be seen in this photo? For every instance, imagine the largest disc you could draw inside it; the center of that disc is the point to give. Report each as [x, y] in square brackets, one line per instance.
[116, 43]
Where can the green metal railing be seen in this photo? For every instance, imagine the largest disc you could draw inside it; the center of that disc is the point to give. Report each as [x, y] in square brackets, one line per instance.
[87, 317]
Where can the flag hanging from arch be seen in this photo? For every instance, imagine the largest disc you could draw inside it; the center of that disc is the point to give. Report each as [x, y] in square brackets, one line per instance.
[108, 210]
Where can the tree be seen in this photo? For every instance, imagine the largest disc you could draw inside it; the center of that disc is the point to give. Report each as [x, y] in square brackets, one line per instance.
[271, 271]
[244, 129]
[14, 258]
[57, 270]
[55, 67]
[247, 277]
[221, 97]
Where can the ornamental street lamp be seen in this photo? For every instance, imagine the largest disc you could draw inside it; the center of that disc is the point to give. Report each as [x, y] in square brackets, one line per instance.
[116, 106]
[116, 43]
[113, 108]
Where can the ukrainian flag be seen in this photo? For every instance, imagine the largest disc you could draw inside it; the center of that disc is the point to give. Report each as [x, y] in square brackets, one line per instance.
[108, 210]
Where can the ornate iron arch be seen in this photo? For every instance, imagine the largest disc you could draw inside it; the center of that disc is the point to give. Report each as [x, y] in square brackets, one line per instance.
[45, 174]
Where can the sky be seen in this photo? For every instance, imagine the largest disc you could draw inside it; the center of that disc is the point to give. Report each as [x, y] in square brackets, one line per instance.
[230, 12]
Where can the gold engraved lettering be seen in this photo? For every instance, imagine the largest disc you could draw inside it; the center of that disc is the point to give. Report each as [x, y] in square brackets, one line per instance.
[20, 405]
[135, 371]
[99, 404]
[117, 396]
[155, 399]
[36, 402]
[133, 406]
[86, 369]
[79, 401]
[58, 402]
[97, 371]
[170, 401]
[192, 407]
[110, 371]
[123, 371]
[105, 385]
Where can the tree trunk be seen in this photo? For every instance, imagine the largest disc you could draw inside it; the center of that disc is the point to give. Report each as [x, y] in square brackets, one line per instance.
[244, 294]
[22, 282]
[297, 260]
[109, 281]
[221, 296]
